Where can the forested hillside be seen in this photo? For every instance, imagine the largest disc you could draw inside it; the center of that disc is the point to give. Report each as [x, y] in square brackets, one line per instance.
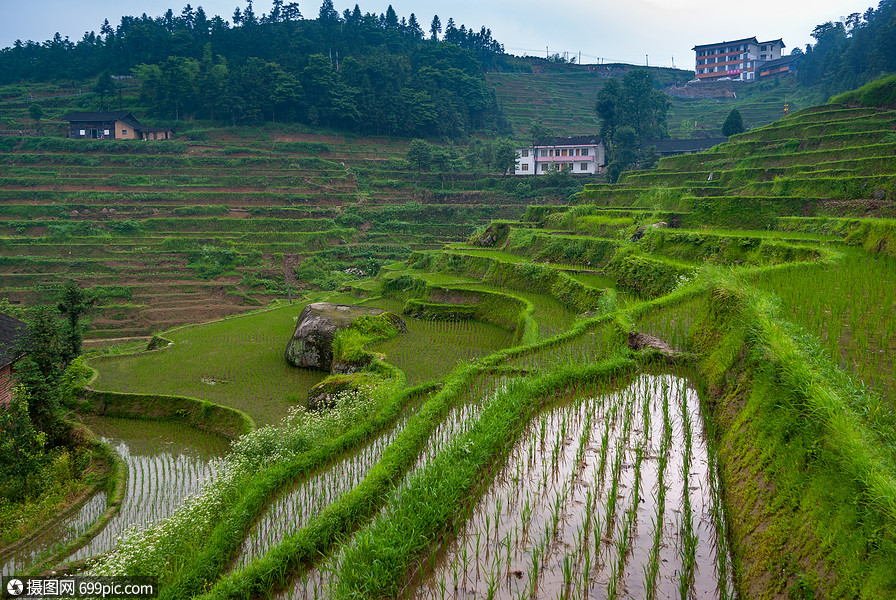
[370, 73]
[852, 51]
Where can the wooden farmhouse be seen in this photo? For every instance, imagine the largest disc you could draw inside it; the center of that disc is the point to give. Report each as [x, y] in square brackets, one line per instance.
[12, 337]
[117, 125]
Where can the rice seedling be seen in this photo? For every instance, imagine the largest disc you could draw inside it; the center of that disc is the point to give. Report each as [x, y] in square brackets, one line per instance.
[68, 530]
[306, 498]
[849, 305]
[566, 532]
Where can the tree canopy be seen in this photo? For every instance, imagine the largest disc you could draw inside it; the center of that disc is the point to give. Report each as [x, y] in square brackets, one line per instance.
[733, 124]
[849, 53]
[632, 101]
[631, 111]
[362, 72]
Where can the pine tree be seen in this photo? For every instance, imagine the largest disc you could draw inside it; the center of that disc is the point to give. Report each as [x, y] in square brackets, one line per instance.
[733, 124]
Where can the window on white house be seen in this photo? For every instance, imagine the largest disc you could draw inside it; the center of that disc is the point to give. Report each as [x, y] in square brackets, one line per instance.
[584, 151]
[584, 167]
[524, 153]
[544, 167]
[525, 167]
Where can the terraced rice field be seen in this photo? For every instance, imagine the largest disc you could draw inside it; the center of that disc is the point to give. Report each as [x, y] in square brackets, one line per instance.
[550, 454]
[604, 496]
[185, 232]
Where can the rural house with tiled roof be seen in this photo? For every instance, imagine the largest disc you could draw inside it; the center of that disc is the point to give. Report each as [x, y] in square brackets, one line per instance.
[116, 125]
[580, 154]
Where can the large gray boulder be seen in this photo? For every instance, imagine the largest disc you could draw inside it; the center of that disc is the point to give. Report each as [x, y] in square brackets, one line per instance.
[311, 345]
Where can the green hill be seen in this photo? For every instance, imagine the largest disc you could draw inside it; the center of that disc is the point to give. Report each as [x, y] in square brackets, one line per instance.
[565, 101]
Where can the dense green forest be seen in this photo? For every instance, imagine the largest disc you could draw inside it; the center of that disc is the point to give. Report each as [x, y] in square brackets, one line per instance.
[370, 73]
[358, 72]
[851, 52]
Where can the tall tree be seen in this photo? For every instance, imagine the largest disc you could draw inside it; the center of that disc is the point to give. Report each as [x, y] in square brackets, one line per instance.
[327, 15]
[504, 156]
[39, 372]
[631, 110]
[435, 28]
[21, 447]
[419, 154]
[733, 124]
[539, 134]
[414, 30]
[35, 111]
[73, 303]
[104, 87]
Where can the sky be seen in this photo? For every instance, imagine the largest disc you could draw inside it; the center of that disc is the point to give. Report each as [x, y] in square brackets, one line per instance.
[654, 32]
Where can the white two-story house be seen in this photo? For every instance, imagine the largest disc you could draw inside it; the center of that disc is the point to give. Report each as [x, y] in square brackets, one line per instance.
[580, 154]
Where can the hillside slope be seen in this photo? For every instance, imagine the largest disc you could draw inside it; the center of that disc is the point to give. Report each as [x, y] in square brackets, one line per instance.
[565, 102]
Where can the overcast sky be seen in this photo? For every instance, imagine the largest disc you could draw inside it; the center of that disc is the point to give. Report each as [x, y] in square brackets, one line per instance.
[632, 31]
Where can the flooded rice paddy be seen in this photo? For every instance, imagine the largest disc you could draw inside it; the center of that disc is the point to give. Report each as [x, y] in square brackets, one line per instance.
[609, 496]
[166, 462]
[302, 501]
[321, 578]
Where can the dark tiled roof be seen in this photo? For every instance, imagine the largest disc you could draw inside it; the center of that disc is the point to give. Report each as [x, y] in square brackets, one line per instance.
[574, 140]
[744, 40]
[693, 145]
[778, 62]
[118, 115]
[12, 338]
[777, 41]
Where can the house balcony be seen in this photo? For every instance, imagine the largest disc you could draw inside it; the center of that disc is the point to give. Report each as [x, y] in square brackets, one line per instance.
[553, 159]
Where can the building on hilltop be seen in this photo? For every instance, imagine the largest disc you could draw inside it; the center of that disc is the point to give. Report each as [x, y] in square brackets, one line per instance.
[737, 60]
[581, 154]
[13, 334]
[785, 64]
[117, 125]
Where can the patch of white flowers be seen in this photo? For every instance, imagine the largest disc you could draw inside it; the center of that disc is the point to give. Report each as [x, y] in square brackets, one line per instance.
[147, 550]
[686, 278]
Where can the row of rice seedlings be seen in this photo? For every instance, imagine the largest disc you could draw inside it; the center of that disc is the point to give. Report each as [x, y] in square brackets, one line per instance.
[581, 510]
[851, 306]
[157, 484]
[297, 505]
[320, 580]
[457, 341]
[514, 542]
[671, 324]
[723, 563]
[68, 530]
[588, 347]
[651, 569]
